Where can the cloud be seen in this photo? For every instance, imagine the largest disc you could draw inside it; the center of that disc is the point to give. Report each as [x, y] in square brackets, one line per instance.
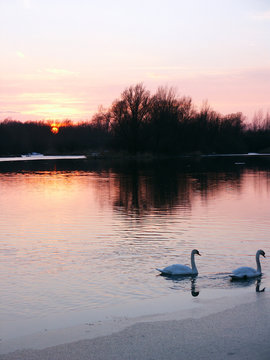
[264, 15]
[26, 4]
[156, 76]
[20, 54]
[170, 72]
[9, 112]
[61, 72]
[49, 97]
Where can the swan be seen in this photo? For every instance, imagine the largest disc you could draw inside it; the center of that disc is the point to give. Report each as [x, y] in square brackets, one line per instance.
[178, 269]
[245, 272]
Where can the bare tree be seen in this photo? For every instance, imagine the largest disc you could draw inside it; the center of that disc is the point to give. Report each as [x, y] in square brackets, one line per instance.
[129, 114]
[101, 119]
[164, 120]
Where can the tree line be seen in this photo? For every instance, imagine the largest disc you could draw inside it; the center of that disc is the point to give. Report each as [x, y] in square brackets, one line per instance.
[139, 122]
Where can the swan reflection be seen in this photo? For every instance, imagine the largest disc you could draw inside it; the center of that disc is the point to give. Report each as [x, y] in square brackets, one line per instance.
[180, 280]
[258, 284]
[249, 282]
[194, 292]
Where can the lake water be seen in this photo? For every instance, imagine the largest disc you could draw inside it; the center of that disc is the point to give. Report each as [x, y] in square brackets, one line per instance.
[82, 236]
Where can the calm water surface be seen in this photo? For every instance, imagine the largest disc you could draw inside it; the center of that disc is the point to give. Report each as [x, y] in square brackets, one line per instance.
[83, 236]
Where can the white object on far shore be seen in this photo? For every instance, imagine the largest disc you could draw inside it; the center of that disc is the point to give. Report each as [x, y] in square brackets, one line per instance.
[245, 272]
[41, 157]
[178, 269]
[32, 154]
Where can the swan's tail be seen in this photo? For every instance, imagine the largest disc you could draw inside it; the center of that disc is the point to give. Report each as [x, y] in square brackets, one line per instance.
[159, 270]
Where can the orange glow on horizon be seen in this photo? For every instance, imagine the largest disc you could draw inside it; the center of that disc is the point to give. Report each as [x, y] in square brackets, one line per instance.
[55, 125]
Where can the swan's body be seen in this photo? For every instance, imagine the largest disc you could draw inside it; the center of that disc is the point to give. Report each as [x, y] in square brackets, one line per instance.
[178, 269]
[245, 272]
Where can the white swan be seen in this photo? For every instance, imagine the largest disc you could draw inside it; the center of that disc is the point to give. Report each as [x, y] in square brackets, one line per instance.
[245, 272]
[178, 269]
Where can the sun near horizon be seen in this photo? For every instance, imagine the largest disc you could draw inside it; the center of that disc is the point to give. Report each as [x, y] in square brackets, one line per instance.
[54, 128]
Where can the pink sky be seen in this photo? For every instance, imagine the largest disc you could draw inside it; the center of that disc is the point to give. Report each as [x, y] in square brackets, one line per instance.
[63, 58]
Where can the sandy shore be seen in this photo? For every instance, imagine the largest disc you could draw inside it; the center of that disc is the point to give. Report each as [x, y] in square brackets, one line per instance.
[242, 331]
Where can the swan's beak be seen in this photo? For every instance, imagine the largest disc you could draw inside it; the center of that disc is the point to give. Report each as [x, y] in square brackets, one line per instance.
[199, 254]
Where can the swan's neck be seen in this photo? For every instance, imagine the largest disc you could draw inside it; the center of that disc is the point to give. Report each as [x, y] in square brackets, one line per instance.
[259, 269]
[193, 265]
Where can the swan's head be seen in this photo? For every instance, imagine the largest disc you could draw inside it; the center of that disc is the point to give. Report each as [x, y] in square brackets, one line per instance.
[261, 252]
[196, 252]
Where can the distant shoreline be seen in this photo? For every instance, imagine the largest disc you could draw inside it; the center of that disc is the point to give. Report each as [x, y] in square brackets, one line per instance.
[112, 156]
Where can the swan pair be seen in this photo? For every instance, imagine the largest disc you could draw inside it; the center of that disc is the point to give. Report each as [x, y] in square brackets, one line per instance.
[243, 272]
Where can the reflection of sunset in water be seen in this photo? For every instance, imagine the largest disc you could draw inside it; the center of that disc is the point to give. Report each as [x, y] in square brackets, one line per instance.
[73, 238]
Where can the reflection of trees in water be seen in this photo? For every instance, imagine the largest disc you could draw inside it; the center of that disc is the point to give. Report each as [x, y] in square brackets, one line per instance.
[144, 191]
[165, 187]
[208, 184]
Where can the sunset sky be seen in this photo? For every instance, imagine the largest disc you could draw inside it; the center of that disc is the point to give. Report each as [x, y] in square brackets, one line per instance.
[64, 58]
